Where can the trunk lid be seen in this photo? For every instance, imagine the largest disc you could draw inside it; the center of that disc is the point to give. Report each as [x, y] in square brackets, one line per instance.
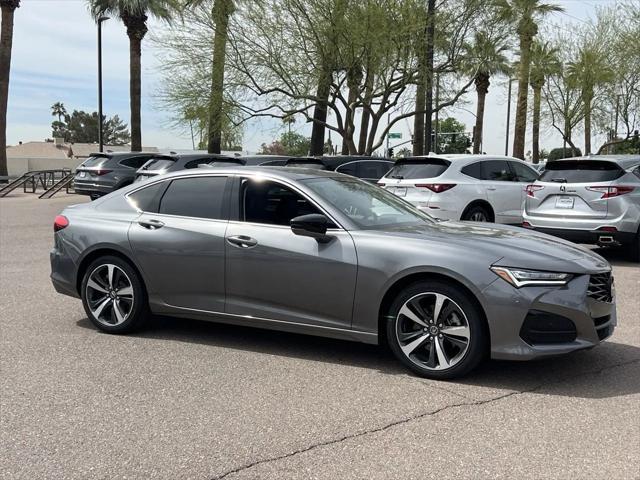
[407, 174]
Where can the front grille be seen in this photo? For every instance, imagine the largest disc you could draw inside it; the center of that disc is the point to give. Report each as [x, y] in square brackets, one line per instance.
[600, 287]
[541, 328]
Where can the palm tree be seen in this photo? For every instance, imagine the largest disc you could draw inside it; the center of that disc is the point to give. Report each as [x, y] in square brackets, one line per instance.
[8, 8]
[58, 110]
[590, 71]
[484, 58]
[524, 15]
[134, 15]
[544, 63]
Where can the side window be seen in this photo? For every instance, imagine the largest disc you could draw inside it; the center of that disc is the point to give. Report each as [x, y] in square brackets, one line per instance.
[636, 172]
[147, 198]
[372, 169]
[134, 162]
[200, 197]
[271, 203]
[196, 162]
[497, 170]
[349, 168]
[473, 170]
[523, 173]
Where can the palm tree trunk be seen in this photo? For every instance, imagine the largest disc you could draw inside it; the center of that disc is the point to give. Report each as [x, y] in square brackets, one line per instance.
[537, 96]
[482, 87]
[587, 126]
[428, 80]
[520, 129]
[320, 113]
[6, 41]
[222, 10]
[136, 30]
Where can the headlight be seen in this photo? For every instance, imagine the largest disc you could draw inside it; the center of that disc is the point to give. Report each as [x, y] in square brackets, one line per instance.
[519, 277]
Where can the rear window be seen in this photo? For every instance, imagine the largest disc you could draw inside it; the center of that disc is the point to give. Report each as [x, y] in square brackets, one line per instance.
[94, 161]
[427, 168]
[307, 164]
[158, 164]
[580, 171]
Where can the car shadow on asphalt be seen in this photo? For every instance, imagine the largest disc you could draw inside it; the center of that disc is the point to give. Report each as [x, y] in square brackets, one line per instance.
[594, 373]
[618, 256]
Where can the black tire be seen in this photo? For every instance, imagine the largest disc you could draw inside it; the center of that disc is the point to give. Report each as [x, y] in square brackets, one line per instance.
[138, 312]
[477, 213]
[476, 349]
[634, 249]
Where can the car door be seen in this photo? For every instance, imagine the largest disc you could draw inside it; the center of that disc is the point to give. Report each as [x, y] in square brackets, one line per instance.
[503, 191]
[525, 175]
[274, 274]
[178, 241]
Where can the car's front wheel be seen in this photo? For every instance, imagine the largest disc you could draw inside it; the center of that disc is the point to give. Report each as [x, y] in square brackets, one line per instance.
[113, 295]
[435, 330]
[477, 213]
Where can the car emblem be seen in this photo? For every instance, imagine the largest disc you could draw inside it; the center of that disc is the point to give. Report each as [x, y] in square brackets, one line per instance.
[563, 188]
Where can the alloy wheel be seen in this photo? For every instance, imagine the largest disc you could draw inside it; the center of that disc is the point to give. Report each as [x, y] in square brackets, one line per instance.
[109, 294]
[433, 331]
[478, 216]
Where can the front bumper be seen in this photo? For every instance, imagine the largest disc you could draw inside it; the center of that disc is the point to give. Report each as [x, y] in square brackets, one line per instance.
[507, 308]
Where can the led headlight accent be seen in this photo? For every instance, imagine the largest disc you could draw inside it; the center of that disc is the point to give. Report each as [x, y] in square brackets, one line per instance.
[519, 277]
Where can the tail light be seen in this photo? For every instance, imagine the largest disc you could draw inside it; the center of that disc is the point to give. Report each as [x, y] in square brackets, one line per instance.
[436, 187]
[608, 192]
[531, 189]
[381, 184]
[101, 172]
[60, 222]
[526, 224]
[608, 229]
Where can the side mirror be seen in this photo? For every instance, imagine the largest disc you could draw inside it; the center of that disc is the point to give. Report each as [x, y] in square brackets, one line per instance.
[313, 225]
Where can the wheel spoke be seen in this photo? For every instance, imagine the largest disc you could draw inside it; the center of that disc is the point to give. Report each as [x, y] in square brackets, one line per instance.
[407, 336]
[110, 269]
[437, 308]
[103, 303]
[126, 291]
[410, 347]
[119, 314]
[456, 331]
[96, 286]
[443, 360]
[411, 316]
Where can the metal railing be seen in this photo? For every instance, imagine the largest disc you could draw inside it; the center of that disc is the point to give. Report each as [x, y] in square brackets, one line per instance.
[34, 179]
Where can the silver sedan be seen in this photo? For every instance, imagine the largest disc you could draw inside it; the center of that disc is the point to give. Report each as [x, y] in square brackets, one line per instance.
[326, 254]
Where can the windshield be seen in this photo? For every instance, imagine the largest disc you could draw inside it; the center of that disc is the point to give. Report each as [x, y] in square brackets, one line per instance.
[94, 161]
[158, 164]
[427, 168]
[580, 171]
[367, 206]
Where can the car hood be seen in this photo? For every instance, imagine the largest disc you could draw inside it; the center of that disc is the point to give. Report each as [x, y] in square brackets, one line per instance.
[507, 246]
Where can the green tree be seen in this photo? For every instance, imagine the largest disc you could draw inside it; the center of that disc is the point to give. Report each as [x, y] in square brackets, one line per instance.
[8, 8]
[483, 59]
[524, 16]
[58, 110]
[82, 127]
[590, 71]
[544, 63]
[289, 143]
[452, 136]
[134, 15]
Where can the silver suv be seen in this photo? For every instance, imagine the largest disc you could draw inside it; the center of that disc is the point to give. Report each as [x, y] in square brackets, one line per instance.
[592, 199]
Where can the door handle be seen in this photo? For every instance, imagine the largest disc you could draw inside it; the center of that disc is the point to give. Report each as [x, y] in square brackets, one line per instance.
[242, 241]
[491, 188]
[151, 224]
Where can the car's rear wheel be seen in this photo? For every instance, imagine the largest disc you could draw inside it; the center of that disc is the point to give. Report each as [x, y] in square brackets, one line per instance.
[477, 213]
[113, 295]
[436, 330]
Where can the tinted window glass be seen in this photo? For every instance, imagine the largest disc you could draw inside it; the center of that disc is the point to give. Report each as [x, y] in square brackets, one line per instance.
[348, 168]
[427, 168]
[159, 163]
[307, 164]
[581, 171]
[195, 163]
[473, 170]
[637, 172]
[225, 163]
[134, 162]
[272, 203]
[274, 163]
[200, 197]
[94, 161]
[366, 205]
[372, 169]
[523, 173]
[497, 170]
[147, 198]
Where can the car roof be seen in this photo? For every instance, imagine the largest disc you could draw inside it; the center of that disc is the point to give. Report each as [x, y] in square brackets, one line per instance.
[290, 173]
[192, 156]
[458, 157]
[121, 154]
[334, 161]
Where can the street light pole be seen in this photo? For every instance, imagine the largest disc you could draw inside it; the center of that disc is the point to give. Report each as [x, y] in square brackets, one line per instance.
[100, 140]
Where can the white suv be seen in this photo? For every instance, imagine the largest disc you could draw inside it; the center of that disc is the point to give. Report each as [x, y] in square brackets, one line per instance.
[479, 188]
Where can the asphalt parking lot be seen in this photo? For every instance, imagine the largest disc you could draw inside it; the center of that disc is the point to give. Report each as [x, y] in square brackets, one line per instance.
[189, 399]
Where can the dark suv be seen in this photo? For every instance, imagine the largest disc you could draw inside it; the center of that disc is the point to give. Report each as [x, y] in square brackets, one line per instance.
[161, 164]
[103, 173]
[367, 168]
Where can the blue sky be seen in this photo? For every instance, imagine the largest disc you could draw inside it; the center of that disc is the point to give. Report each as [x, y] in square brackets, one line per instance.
[54, 59]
